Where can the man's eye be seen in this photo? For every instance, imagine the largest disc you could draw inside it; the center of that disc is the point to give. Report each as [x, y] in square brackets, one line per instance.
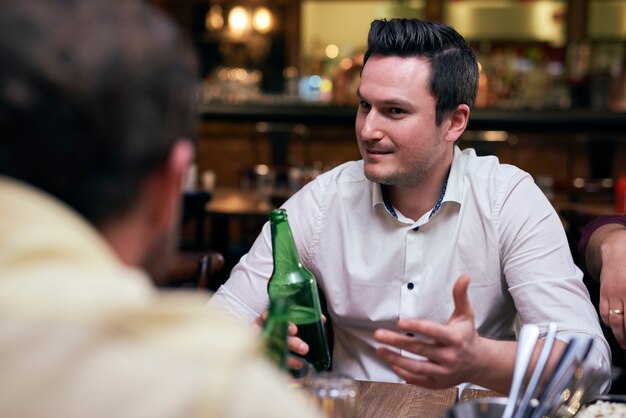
[364, 104]
[396, 111]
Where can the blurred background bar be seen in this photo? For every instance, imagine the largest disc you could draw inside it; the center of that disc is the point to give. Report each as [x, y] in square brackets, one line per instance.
[278, 103]
[278, 95]
[280, 76]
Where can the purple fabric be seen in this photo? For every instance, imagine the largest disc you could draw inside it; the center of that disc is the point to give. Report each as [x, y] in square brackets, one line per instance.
[595, 224]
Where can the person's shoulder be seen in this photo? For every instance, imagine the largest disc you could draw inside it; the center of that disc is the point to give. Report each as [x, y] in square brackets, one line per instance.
[488, 167]
[181, 321]
[348, 172]
[197, 347]
[164, 355]
[346, 178]
[221, 355]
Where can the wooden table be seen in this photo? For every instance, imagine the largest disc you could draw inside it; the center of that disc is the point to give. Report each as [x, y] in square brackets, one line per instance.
[232, 201]
[233, 205]
[396, 400]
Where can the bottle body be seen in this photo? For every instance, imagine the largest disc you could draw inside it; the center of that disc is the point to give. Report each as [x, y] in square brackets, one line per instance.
[293, 282]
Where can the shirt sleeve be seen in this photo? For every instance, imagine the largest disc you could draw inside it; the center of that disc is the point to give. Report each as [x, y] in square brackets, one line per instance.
[543, 280]
[244, 295]
[591, 227]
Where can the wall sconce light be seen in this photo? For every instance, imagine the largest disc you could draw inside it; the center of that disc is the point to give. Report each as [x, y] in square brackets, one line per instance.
[241, 19]
[262, 20]
[214, 19]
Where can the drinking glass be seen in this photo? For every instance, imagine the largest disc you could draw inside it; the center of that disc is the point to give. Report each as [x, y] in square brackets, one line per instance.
[301, 372]
[335, 394]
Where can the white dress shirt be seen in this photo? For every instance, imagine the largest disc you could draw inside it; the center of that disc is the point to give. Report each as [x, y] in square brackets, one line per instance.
[494, 224]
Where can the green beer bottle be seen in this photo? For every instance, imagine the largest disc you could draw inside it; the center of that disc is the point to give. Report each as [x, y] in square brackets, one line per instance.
[294, 282]
[276, 332]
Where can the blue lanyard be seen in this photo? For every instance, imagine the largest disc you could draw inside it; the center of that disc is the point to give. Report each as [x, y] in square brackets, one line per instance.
[438, 204]
[391, 210]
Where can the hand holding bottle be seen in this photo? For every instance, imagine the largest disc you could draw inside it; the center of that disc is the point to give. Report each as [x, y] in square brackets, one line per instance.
[296, 344]
[292, 281]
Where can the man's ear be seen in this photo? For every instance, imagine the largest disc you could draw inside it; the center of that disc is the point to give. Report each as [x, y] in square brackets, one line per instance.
[167, 183]
[458, 122]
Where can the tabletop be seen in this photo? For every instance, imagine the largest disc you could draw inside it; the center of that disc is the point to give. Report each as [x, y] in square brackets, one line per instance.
[232, 201]
[394, 400]
[398, 400]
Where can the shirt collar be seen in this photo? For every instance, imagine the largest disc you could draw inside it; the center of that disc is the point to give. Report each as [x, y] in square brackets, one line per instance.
[454, 190]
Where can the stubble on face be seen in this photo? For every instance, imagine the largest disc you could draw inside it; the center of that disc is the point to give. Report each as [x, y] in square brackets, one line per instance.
[408, 177]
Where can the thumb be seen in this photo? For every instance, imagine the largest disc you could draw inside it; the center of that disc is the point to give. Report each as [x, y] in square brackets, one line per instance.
[462, 305]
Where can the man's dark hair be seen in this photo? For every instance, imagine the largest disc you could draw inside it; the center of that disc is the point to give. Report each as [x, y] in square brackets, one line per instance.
[454, 69]
[93, 94]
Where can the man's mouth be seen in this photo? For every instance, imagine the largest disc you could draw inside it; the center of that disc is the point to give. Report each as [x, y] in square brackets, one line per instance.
[377, 152]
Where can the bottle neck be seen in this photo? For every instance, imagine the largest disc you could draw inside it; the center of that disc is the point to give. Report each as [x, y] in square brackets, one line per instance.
[275, 332]
[284, 248]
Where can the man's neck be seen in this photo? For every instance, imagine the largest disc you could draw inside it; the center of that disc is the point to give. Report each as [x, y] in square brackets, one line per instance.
[416, 200]
[125, 238]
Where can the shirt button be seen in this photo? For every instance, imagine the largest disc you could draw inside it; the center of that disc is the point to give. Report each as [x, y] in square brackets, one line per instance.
[417, 228]
[410, 286]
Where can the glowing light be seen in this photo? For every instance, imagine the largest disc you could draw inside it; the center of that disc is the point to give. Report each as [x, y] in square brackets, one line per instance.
[345, 64]
[326, 86]
[332, 51]
[214, 19]
[238, 19]
[262, 20]
[314, 81]
[290, 72]
[262, 169]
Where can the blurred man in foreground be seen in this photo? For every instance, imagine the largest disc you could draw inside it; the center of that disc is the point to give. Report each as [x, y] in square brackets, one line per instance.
[96, 98]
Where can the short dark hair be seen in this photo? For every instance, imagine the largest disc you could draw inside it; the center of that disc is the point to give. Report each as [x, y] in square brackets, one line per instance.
[93, 95]
[454, 69]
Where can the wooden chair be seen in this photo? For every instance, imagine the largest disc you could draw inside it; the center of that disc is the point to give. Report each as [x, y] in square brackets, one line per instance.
[194, 269]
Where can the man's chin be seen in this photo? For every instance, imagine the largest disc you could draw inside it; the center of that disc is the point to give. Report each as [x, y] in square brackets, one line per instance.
[375, 176]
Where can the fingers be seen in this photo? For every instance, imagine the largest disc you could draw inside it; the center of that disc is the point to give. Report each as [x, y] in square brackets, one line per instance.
[462, 305]
[614, 320]
[297, 346]
[293, 341]
[436, 352]
[604, 311]
[295, 363]
[260, 320]
[397, 340]
[417, 372]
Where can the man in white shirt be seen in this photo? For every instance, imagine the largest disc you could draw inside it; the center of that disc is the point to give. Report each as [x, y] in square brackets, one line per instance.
[425, 253]
[96, 100]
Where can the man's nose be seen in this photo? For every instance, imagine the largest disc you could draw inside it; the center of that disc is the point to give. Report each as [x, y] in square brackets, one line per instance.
[371, 126]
